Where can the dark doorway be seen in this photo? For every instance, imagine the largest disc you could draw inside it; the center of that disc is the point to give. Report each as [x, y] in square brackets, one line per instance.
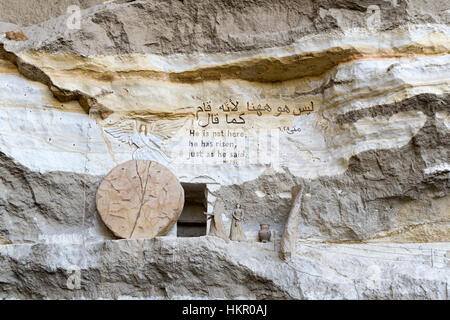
[192, 222]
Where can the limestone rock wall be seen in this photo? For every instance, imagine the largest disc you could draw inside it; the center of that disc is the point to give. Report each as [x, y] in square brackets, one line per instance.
[347, 99]
[168, 268]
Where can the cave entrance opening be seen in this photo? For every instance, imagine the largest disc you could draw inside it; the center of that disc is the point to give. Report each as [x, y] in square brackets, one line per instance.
[192, 221]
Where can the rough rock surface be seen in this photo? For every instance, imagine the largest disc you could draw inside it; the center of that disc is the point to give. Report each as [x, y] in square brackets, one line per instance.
[348, 100]
[208, 267]
[52, 207]
[383, 194]
[16, 36]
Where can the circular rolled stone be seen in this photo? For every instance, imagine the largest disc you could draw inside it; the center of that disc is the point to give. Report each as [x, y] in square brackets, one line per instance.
[140, 199]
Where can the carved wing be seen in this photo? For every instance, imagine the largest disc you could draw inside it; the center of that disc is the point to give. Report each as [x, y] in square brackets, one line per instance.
[122, 131]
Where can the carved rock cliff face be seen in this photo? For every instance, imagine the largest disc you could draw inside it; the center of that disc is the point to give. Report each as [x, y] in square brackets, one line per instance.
[347, 99]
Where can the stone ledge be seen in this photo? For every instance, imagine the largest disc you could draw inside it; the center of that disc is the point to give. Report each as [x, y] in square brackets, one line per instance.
[208, 267]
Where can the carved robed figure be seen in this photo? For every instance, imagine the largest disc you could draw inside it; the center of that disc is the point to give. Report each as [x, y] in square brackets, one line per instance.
[236, 232]
[216, 227]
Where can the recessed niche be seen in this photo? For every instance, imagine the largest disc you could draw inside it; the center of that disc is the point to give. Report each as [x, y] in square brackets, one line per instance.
[192, 221]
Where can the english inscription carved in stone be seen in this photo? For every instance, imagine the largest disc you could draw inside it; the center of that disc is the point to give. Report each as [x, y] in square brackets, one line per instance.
[140, 199]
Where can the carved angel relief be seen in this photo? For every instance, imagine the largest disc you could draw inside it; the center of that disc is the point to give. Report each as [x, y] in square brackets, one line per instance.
[139, 133]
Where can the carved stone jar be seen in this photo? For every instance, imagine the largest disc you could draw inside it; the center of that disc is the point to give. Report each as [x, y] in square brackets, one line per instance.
[264, 233]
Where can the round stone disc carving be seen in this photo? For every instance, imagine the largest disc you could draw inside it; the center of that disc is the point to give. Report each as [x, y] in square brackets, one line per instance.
[140, 199]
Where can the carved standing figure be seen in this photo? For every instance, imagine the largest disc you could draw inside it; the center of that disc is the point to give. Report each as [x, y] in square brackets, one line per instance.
[236, 232]
[216, 227]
